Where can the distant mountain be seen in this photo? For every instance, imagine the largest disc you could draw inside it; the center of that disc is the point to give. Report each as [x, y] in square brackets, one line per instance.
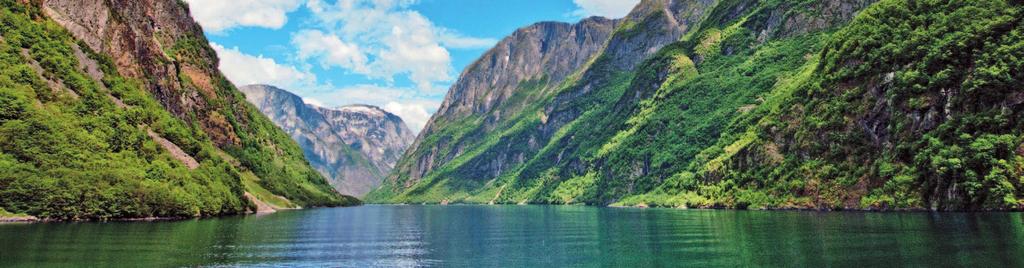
[116, 109]
[826, 104]
[353, 146]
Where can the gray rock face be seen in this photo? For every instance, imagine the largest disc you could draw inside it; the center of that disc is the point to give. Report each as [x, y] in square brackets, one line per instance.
[548, 51]
[553, 49]
[381, 136]
[551, 52]
[486, 122]
[135, 33]
[353, 146]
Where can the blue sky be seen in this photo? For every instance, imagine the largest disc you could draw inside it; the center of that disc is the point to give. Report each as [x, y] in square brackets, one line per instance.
[401, 55]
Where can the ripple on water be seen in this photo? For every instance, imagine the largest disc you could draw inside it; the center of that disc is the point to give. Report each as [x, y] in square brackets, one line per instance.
[528, 236]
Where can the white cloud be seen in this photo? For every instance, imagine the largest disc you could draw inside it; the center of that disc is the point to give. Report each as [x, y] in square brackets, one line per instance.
[455, 40]
[396, 40]
[243, 69]
[312, 101]
[605, 8]
[383, 40]
[413, 105]
[413, 50]
[331, 51]
[219, 15]
[414, 114]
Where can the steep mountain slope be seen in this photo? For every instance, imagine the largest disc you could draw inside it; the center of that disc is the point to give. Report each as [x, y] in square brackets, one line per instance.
[481, 120]
[114, 109]
[768, 104]
[900, 111]
[353, 146]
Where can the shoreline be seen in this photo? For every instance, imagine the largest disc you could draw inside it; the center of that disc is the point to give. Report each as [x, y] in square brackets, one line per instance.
[18, 219]
[32, 219]
[870, 210]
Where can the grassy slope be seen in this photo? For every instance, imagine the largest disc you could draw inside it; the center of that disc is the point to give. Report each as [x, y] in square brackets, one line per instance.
[5, 214]
[703, 95]
[880, 113]
[264, 149]
[890, 69]
[67, 157]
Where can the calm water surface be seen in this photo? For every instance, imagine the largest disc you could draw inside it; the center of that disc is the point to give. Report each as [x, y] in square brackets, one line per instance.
[528, 236]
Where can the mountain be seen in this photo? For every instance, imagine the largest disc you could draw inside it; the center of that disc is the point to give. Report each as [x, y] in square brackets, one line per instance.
[115, 109]
[823, 104]
[353, 146]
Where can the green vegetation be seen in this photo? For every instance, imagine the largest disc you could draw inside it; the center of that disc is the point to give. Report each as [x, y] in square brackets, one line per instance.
[887, 118]
[264, 148]
[69, 152]
[252, 185]
[5, 214]
[913, 104]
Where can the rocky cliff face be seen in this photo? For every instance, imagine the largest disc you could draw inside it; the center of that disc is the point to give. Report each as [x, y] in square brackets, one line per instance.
[114, 109]
[548, 51]
[530, 67]
[378, 134]
[157, 43]
[540, 55]
[353, 146]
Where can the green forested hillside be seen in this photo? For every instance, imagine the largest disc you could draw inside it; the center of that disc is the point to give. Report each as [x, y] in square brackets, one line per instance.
[770, 104]
[74, 147]
[915, 104]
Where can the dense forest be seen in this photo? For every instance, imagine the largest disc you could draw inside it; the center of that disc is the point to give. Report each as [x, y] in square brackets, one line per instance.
[79, 141]
[760, 104]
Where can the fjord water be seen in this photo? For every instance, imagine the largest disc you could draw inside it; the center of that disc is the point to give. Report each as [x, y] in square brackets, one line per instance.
[528, 236]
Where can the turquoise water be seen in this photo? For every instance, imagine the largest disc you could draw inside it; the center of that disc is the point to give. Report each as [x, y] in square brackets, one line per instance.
[528, 236]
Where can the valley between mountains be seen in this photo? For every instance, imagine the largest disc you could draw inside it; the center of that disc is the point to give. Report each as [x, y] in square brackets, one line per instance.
[115, 109]
[353, 146]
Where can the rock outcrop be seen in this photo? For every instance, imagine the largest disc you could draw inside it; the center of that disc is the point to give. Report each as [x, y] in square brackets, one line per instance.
[157, 42]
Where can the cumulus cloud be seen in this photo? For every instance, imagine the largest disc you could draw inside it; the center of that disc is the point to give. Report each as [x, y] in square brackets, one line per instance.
[395, 40]
[415, 114]
[605, 8]
[385, 41]
[413, 105]
[219, 15]
[243, 69]
[330, 50]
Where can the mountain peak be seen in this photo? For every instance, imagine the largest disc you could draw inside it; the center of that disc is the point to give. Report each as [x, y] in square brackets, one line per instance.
[364, 109]
[354, 146]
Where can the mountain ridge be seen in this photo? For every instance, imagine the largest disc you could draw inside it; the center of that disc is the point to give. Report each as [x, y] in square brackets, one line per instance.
[354, 146]
[714, 116]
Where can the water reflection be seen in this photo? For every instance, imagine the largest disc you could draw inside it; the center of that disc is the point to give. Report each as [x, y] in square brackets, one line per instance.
[528, 236]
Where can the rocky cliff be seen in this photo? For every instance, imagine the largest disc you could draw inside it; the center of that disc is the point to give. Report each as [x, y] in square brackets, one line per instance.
[157, 42]
[115, 109]
[539, 64]
[847, 104]
[353, 146]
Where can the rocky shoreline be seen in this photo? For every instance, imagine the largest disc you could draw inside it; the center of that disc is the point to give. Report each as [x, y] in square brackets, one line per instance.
[18, 219]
